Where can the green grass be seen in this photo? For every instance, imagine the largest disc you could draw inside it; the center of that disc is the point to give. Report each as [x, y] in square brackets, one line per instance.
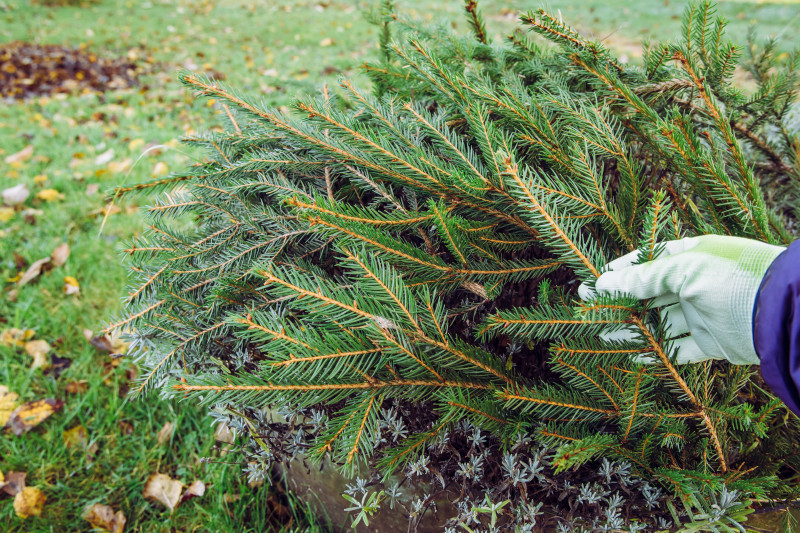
[274, 48]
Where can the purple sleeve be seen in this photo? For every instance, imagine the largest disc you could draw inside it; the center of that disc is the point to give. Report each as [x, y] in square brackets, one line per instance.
[776, 327]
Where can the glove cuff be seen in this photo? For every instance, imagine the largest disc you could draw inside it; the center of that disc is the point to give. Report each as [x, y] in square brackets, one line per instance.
[750, 270]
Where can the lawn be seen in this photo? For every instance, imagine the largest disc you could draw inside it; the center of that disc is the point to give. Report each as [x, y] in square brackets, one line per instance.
[82, 145]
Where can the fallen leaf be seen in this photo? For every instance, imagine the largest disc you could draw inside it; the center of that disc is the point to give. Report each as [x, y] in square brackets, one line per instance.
[8, 402]
[195, 490]
[49, 195]
[102, 343]
[29, 502]
[13, 483]
[57, 365]
[134, 144]
[87, 333]
[117, 167]
[106, 210]
[33, 271]
[15, 337]
[76, 436]
[29, 415]
[6, 214]
[39, 179]
[91, 451]
[104, 158]
[163, 489]
[22, 155]
[159, 169]
[16, 195]
[165, 432]
[60, 254]
[125, 427]
[77, 387]
[38, 350]
[222, 433]
[104, 518]
[326, 42]
[71, 285]
[92, 189]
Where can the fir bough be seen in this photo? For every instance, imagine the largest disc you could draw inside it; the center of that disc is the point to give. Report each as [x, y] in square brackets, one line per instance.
[418, 249]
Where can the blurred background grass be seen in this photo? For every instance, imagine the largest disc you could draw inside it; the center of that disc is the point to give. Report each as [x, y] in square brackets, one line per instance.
[87, 142]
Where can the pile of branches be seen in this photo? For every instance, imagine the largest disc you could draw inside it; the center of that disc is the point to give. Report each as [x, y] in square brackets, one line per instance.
[396, 274]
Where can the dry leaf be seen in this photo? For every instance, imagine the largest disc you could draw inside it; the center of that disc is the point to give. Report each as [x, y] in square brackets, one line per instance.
[104, 158]
[39, 179]
[87, 333]
[77, 387]
[222, 433]
[60, 254]
[103, 518]
[107, 210]
[22, 155]
[117, 167]
[8, 402]
[92, 189]
[159, 169]
[327, 41]
[6, 214]
[15, 337]
[76, 436]
[57, 365]
[165, 432]
[33, 271]
[13, 483]
[102, 343]
[16, 195]
[134, 144]
[164, 489]
[38, 350]
[195, 490]
[49, 195]
[71, 285]
[29, 502]
[29, 415]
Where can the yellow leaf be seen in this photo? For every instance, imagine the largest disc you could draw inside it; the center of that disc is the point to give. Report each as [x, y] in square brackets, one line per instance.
[6, 214]
[49, 195]
[71, 285]
[160, 169]
[8, 402]
[29, 502]
[38, 350]
[326, 42]
[76, 436]
[40, 179]
[135, 144]
[30, 414]
[15, 337]
[211, 102]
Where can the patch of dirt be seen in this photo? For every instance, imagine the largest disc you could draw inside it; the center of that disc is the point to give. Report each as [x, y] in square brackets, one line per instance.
[28, 70]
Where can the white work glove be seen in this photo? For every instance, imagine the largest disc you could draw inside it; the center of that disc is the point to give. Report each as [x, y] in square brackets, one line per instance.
[706, 286]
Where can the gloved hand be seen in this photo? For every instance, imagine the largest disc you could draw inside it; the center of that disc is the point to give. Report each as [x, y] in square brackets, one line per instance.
[705, 285]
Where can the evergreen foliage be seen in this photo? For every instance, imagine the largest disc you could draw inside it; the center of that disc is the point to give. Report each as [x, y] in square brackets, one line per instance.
[416, 252]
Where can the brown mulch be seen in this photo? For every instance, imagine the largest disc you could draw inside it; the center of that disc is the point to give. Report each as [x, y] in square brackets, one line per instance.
[34, 70]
